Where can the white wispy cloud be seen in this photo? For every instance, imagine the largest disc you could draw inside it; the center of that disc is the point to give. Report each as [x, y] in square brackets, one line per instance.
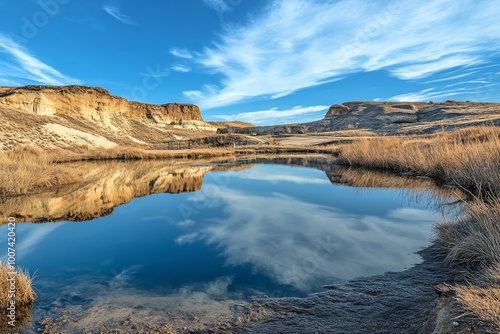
[476, 85]
[273, 177]
[20, 67]
[181, 53]
[217, 5]
[439, 94]
[295, 44]
[117, 14]
[449, 78]
[180, 68]
[273, 115]
[423, 70]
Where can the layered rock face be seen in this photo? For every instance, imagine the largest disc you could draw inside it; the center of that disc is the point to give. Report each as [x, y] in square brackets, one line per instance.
[387, 117]
[91, 102]
[65, 116]
[166, 113]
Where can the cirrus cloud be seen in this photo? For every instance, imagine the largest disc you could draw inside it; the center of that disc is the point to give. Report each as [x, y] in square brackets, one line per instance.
[20, 67]
[117, 14]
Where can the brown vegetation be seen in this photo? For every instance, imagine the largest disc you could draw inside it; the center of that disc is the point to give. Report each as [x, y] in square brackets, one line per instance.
[470, 157]
[473, 243]
[238, 124]
[24, 169]
[24, 297]
[24, 292]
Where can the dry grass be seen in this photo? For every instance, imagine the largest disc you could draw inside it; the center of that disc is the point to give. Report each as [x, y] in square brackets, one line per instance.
[481, 302]
[473, 241]
[286, 149]
[450, 156]
[24, 297]
[24, 292]
[236, 124]
[133, 153]
[25, 169]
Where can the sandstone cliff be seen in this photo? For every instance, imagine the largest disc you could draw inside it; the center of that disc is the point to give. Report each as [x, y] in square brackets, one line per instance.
[67, 115]
[388, 117]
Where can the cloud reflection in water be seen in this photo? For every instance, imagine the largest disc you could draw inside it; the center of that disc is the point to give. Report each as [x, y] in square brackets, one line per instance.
[304, 244]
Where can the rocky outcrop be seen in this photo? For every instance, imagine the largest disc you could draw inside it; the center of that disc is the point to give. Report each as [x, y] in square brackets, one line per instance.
[387, 117]
[337, 109]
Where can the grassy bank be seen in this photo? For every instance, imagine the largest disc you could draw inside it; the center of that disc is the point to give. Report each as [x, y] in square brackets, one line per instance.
[24, 169]
[470, 159]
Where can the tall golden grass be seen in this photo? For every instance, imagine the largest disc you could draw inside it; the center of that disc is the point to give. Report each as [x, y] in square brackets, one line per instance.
[469, 158]
[473, 243]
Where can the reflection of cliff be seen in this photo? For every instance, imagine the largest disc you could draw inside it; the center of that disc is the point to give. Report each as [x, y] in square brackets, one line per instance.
[105, 186]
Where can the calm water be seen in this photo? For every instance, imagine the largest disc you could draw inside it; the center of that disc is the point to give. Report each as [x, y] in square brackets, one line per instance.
[269, 230]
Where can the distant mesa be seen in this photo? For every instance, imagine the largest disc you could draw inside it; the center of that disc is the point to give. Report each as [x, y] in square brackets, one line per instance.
[387, 117]
[68, 116]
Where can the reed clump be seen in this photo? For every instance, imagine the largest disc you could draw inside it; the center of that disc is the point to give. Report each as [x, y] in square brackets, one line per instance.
[17, 290]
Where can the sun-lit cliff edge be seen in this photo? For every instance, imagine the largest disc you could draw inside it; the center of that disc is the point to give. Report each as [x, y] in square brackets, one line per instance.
[63, 116]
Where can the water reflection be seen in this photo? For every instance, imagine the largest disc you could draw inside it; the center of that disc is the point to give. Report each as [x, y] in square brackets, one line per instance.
[214, 234]
[304, 244]
[107, 185]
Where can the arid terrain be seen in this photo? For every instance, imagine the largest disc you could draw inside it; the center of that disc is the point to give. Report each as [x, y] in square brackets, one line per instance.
[60, 117]
[52, 137]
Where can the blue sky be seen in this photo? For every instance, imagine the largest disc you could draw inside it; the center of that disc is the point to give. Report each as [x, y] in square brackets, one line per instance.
[266, 62]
